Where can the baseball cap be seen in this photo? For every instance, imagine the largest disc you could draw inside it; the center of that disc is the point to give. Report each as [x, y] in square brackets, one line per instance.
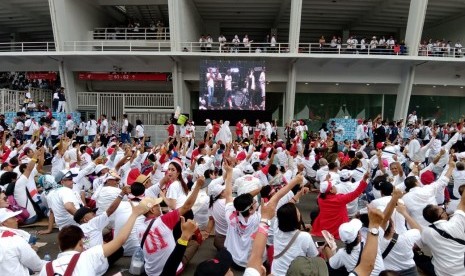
[348, 231]
[99, 168]
[215, 189]
[132, 176]
[217, 266]
[308, 266]
[111, 175]
[7, 213]
[81, 212]
[46, 181]
[149, 202]
[325, 187]
[241, 156]
[248, 169]
[65, 174]
[207, 121]
[345, 174]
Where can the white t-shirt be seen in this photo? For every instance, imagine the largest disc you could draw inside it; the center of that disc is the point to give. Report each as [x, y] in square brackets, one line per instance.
[69, 125]
[93, 230]
[200, 208]
[218, 213]
[104, 127]
[459, 180]
[90, 262]
[139, 131]
[16, 255]
[21, 196]
[120, 217]
[159, 242]
[56, 200]
[401, 255]
[104, 197]
[302, 246]
[91, 127]
[55, 128]
[239, 235]
[175, 191]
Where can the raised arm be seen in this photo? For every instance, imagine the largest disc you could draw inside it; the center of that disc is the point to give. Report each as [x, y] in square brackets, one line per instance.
[396, 194]
[298, 179]
[192, 197]
[346, 198]
[401, 209]
[228, 183]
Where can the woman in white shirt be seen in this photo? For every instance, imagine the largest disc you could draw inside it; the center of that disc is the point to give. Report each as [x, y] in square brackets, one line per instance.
[139, 129]
[288, 226]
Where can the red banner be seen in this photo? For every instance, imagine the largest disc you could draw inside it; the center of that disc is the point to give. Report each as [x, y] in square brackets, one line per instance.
[42, 75]
[124, 76]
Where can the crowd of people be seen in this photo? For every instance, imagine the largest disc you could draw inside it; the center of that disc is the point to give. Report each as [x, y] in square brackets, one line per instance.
[440, 48]
[389, 201]
[134, 30]
[20, 81]
[360, 45]
[236, 44]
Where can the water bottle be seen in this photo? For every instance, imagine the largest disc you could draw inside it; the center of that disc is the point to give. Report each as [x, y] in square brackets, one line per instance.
[47, 257]
[137, 262]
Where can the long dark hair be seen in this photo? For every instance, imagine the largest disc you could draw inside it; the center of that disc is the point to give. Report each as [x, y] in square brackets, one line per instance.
[213, 200]
[180, 179]
[350, 246]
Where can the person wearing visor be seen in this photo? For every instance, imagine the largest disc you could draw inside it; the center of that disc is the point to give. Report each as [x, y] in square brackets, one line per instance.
[62, 201]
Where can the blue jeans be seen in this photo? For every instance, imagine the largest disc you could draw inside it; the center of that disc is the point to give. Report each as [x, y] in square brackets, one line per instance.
[27, 137]
[125, 138]
[31, 220]
[91, 138]
[211, 91]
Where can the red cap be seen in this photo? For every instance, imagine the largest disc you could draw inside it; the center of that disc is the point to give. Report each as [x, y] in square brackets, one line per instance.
[241, 156]
[379, 145]
[68, 116]
[427, 177]
[89, 151]
[263, 156]
[110, 151]
[133, 174]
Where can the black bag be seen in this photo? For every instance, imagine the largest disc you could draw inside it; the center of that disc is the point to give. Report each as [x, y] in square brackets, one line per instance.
[130, 127]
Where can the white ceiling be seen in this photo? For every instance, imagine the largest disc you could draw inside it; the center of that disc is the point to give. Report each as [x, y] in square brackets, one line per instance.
[30, 19]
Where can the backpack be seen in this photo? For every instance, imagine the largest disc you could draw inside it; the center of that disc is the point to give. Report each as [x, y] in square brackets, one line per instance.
[14, 206]
[130, 127]
[422, 133]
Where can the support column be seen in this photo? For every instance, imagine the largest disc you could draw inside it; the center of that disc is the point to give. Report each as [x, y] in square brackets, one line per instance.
[186, 25]
[404, 92]
[175, 30]
[416, 20]
[294, 25]
[67, 81]
[289, 102]
[181, 92]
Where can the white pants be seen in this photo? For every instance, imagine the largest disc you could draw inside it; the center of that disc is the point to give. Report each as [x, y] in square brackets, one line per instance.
[61, 106]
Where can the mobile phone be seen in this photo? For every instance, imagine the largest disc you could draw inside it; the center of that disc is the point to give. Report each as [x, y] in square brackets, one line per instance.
[319, 243]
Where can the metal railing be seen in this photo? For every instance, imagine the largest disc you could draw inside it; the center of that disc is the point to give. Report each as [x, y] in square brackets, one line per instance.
[13, 100]
[151, 108]
[110, 45]
[440, 51]
[229, 47]
[27, 47]
[362, 49]
[156, 33]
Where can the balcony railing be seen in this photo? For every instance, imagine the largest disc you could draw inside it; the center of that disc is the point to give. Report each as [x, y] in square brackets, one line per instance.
[27, 47]
[441, 51]
[362, 49]
[162, 33]
[153, 107]
[112, 45]
[229, 47]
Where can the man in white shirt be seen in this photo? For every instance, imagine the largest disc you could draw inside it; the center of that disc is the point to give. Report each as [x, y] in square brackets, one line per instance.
[69, 126]
[16, 255]
[104, 130]
[262, 81]
[55, 131]
[91, 261]
[412, 118]
[124, 130]
[29, 127]
[63, 202]
[208, 130]
[446, 238]
[227, 89]
[222, 40]
[210, 86]
[209, 42]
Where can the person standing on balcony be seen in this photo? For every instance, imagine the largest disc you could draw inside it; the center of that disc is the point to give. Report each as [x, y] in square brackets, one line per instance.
[202, 42]
[247, 43]
[222, 40]
[160, 30]
[56, 99]
[209, 41]
[61, 100]
[235, 43]
[273, 43]
[124, 130]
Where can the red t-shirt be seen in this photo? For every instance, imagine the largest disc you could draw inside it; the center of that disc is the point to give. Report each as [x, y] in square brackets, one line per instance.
[216, 128]
[170, 130]
[239, 129]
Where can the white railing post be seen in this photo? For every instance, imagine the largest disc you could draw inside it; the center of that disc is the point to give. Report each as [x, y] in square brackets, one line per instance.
[101, 46]
[22, 46]
[145, 33]
[130, 46]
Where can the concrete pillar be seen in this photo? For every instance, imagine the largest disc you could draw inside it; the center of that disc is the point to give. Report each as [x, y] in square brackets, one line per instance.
[289, 102]
[181, 92]
[294, 25]
[175, 29]
[416, 20]
[404, 92]
[68, 82]
[186, 25]
[345, 35]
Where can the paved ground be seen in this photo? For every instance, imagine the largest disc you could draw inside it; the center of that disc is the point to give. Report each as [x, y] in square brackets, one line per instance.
[206, 251]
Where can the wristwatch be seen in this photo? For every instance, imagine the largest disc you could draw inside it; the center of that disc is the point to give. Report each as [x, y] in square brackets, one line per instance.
[374, 231]
[265, 221]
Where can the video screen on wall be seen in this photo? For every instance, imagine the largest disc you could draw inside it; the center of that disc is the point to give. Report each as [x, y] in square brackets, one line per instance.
[232, 84]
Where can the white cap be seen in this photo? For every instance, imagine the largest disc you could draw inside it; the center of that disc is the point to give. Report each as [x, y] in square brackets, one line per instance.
[215, 189]
[248, 169]
[99, 168]
[348, 231]
[207, 121]
[345, 174]
[7, 213]
[325, 186]
[110, 176]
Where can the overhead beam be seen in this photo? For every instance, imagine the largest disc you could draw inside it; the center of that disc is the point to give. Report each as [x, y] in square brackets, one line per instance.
[24, 12]
[362, 17]
[131, 2]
